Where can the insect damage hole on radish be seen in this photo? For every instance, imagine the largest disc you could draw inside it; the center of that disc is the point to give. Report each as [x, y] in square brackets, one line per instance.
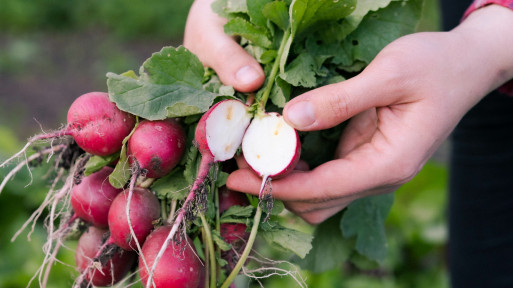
[271, 147]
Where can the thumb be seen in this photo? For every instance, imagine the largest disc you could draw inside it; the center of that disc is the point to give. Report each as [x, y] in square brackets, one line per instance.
[205, 37]
[330, 105]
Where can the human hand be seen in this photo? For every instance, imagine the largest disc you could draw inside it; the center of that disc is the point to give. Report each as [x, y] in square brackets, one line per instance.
[205, 37]
[402, 106]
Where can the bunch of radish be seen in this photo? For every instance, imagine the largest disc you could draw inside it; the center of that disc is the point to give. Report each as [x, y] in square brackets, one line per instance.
[125, 233]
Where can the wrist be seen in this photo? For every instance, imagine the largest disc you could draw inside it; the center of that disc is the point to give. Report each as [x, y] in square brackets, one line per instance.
[488, 39]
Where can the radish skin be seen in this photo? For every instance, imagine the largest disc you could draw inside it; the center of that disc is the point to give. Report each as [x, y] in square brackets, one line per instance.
[218, 135]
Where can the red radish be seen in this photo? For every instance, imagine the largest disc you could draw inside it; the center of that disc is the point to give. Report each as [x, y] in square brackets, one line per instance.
[229, 198]
[144, 209]
[92, 198]
[218, 135]
[236, 235]
[179, 267]
[233, 233]
[95, 123]
[271, 147]
[157, 146]
[113, 266]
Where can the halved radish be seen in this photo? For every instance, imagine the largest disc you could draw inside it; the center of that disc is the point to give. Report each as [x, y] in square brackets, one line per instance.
[220, 130]
[271, 147]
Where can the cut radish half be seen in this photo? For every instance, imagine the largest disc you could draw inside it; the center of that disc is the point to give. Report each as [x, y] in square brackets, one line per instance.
[220, 131]
[270, 146]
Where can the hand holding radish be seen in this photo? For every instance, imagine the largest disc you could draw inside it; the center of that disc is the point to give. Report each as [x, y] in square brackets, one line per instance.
[402, 106]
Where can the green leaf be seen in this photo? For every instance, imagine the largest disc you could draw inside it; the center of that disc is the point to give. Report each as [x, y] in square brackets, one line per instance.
[380, 28]
[219, 241]
[121, 174]
[287, 239]
[329, 247]
[364, 219]
[170, 85]
[192, 162]
[280, 93]
[96, 163]
[173, 186]
[277, 12]
[301, 71]
[306, 13]
[226, 7]
[236, 211]
[255, 8]
[241, 27]
[221, 178]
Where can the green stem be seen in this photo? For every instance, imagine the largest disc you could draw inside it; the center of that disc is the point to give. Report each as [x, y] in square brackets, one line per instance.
[247, 249]
[218, 222]
[210, 246]
[274, 71]
[163, 210]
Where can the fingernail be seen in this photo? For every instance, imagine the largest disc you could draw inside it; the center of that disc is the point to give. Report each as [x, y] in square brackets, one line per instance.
[247, 75]
[301, 114]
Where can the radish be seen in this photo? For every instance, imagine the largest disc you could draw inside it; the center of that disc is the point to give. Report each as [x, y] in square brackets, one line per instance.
[218, 135]
[157, 146]
[229, 198]
[144, 210]
[220, 130]
[92, 198]
[179, 268]
[234, 234]
[271, 147]
[95, 123]
[107, 269]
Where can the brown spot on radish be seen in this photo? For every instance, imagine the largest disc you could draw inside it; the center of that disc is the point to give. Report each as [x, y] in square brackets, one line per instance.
[258, 156]
[156, 163]
[227, 148]
[229, 113]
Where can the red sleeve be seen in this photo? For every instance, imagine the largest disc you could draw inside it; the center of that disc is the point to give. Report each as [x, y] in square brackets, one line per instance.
[481, 3]
[508, 87]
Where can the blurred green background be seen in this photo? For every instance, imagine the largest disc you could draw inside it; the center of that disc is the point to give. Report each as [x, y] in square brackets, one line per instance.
[52, 51]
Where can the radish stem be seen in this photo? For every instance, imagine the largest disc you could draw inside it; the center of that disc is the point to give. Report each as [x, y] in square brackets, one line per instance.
[274, 70]
[247, 249]
[210, 248]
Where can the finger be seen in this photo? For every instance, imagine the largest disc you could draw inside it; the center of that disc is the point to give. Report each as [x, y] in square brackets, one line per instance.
[353, 177]
[359, 130]
[316, 216]
[205, 37]
[330, 105]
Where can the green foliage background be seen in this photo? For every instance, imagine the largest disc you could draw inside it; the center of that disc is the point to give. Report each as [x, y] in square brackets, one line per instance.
[416, 225]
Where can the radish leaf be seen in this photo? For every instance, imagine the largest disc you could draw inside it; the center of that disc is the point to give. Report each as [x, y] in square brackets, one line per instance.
[364, 219]
[170, 85]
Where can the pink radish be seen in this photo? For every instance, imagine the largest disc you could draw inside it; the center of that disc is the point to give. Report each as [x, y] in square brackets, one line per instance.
[92, 198]
[95, 123]
[180, 267]
[218, 135]
[157, 146]
[113, 266]
[144, 209]
[271, 147]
